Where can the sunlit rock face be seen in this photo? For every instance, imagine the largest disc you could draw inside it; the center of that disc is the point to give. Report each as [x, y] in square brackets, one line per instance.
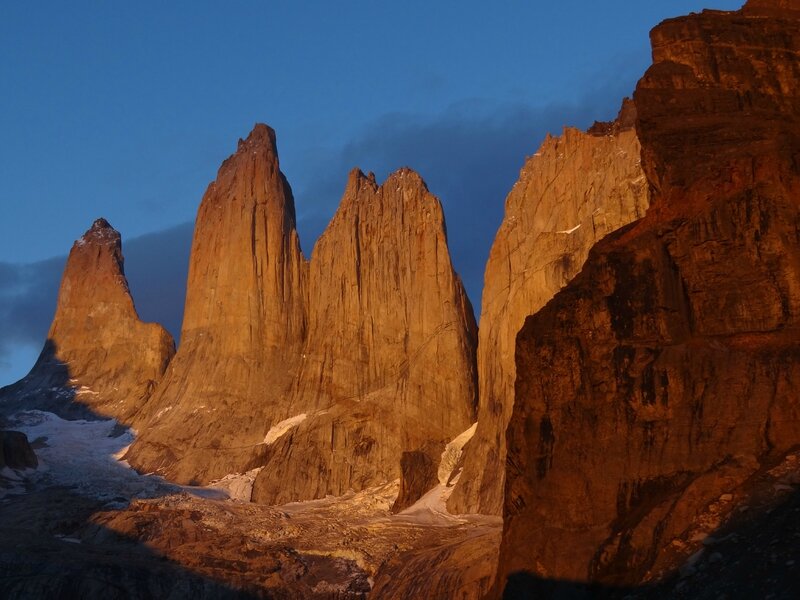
[243, 328]
[576, 189]
[99, 358]
[322, 372]
[667, 371]
[389, 363]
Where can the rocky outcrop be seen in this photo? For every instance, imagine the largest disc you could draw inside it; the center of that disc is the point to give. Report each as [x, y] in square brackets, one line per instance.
[386, 311]
[666, 373]
[243, 329]
[419, 473]
[576, 189]
[99, 358]
[16, 451]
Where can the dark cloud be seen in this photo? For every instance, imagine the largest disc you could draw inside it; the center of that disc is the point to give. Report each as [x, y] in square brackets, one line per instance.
[470, 157]
[27, 302]
[157, 265]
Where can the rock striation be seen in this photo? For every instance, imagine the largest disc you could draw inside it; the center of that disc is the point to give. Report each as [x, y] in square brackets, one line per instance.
[243, 328]
[665, 374]
[576, 189]
[99, 358]
[386, 313]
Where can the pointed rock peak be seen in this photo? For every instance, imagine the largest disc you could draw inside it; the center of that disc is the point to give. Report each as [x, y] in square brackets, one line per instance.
[626, 120]
[356, 180]
[261, 144]
[407, 178]
[262, 135]
[101, 232]
[101, 224]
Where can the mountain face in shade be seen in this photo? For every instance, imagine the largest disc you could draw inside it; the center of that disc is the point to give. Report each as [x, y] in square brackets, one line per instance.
[388, 364]
[99, 357]
[244, 325]
[666, 373]
[576, 189]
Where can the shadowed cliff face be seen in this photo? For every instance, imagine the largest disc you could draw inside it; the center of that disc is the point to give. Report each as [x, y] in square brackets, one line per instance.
[243, 327]
[98, 354]
[576, 189]
[666, 373]
[388, 365]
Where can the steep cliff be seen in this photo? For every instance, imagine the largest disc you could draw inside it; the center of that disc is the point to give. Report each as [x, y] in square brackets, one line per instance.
[667, 372]
[576, 189]
[99, 358]
[243, 329]
[323, 373]
[388, 366]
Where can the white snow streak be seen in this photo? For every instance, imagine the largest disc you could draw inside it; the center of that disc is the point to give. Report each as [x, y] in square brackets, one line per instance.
[452, 453]
[279, 429]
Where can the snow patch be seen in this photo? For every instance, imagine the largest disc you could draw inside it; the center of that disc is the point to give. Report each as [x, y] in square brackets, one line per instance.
[431, 509]
[452, 453]
[84, 455]
[239, 486]
[568, 231]
[279, 429]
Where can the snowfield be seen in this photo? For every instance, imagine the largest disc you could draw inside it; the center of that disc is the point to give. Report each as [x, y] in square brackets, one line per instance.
[86, 457]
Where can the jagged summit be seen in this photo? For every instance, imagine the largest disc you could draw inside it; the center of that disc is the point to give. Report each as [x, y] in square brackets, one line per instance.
[405, 177]
[626, 119]
[101, 232]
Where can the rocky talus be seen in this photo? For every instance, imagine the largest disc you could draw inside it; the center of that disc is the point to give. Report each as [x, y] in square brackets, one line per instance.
[386, 313]
[576, 189]
[665, 374]
[99, 358]
[243, 329]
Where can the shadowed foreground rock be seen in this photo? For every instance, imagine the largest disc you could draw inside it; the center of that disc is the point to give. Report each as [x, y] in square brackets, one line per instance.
[666, 374]
[16, 451]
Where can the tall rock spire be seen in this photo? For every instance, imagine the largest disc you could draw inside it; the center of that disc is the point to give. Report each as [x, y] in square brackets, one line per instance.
[243, 328]
[388, 365]
[99, 357]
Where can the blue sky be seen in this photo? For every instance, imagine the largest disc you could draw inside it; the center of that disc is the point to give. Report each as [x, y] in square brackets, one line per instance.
[125, 110]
